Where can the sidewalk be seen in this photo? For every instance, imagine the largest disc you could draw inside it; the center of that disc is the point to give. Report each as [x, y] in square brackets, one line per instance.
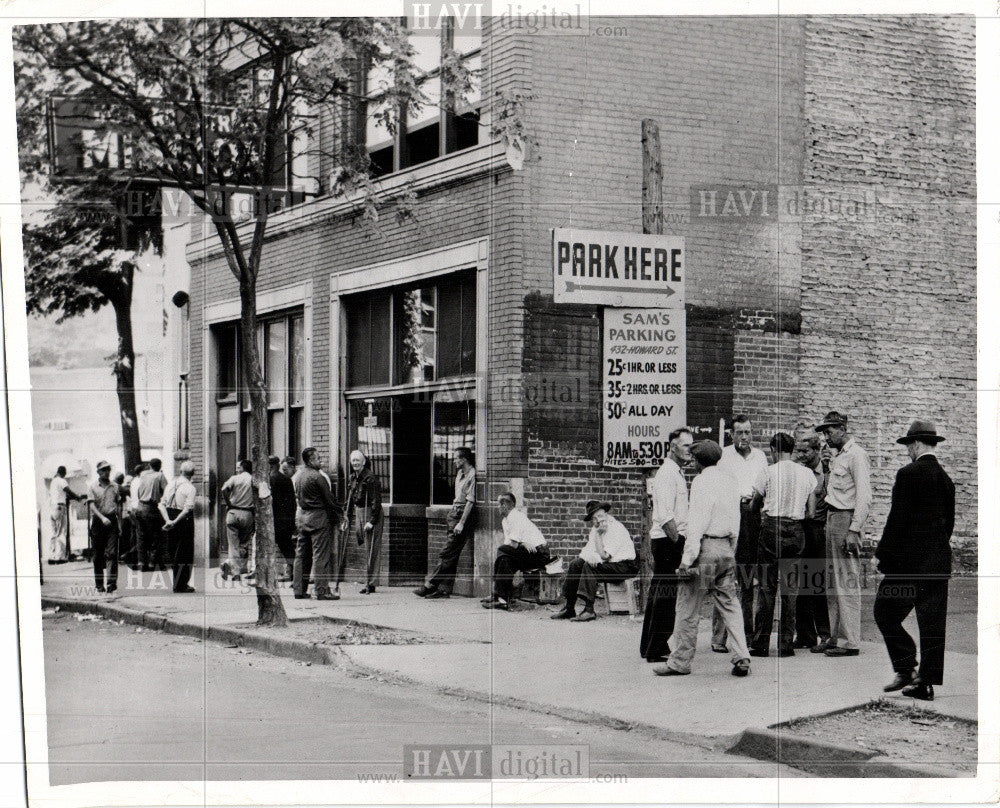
[586, 670]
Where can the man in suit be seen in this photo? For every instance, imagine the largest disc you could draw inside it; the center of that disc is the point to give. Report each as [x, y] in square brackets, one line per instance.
[915, 556]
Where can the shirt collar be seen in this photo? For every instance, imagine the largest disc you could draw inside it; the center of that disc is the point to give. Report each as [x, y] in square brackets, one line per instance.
[928, 453]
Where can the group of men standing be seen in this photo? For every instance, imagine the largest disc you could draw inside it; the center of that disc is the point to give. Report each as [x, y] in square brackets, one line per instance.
[311, 527]
[142, 520]
[788, 534]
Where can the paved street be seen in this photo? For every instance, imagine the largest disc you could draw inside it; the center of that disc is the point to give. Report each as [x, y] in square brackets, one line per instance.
[139, 705]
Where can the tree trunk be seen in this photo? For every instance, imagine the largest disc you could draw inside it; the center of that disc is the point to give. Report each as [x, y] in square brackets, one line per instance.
[124, 370]
[270, 609]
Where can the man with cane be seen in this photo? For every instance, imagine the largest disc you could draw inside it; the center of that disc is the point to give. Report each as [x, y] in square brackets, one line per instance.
[364, 514]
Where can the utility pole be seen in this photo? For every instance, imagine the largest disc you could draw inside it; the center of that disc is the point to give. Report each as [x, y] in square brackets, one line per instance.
[652, 222]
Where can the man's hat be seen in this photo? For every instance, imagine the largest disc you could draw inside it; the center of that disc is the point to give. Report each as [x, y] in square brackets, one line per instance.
[594, 505]
[104, 464]
[922, 430]
[833, 418]
[706, 452]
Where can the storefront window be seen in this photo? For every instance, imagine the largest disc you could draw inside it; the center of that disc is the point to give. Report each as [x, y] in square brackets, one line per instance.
[413, 434]
[454, 427]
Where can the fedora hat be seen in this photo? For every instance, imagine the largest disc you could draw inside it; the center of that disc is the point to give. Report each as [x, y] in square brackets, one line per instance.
[922, 430]
[594, 505]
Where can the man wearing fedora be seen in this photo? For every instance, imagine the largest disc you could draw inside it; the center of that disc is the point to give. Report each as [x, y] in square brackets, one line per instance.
[848, 499]
[608, 557]
[915, 556]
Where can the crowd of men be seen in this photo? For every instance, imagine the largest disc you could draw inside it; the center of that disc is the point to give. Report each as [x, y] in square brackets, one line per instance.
[753, 535]
[757, 536]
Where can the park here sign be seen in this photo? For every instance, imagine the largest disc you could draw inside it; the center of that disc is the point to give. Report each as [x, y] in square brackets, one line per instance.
[617, 269]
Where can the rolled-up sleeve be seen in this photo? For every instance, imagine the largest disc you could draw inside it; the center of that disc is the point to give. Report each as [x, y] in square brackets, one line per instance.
[699, 511]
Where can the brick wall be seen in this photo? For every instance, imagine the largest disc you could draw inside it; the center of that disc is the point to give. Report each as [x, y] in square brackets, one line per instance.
[408, 548]
[888, 284]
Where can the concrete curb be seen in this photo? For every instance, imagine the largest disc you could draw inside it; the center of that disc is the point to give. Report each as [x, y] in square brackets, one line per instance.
[828, 759]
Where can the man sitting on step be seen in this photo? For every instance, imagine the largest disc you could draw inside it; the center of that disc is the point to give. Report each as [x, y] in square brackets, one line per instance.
[608, 557]
[524, 549]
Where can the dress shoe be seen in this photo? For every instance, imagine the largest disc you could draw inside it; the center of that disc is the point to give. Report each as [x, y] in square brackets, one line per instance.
[328, 596]
[918, 690]
[803, 644]
[99, 588]
[821, 647]
[900, 681]
[303, 596]
[437, 594]
[490, 599]
[786, 652]
[741, 668]
[499, 603]
[424, 591]
[658, 659]
[585, 616]
[563, 614]
[719, 649]
[762, 652]
[111, 590]
[837, 651]
[184, 590]
[366, 590]
[663, 669]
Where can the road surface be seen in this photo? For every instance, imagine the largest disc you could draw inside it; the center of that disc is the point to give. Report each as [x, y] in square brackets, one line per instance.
[128, 704]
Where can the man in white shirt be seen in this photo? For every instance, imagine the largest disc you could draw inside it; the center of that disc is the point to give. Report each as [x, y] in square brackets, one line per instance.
[59, 496]
[523, 549]
[787, 491]
[744, 463]
[177, 508]
[848, 499]
[713, 528]
[608, 557]
[666, 541]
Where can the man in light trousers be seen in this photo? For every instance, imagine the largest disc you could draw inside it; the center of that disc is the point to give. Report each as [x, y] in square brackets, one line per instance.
[849, 498]
[713, 530]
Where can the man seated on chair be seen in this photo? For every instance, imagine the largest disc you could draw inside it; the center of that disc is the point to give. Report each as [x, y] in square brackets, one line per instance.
[608, 557]
[523, 549]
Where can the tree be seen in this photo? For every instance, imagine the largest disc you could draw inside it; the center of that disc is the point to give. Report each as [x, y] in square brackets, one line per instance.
[74, 264]
[209, 106]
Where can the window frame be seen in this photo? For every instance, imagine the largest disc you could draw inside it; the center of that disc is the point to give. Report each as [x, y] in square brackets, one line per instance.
[449, 110]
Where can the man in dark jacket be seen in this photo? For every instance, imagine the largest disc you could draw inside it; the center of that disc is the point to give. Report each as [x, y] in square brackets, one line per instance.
[364, 518]
[283, 506]
[915, 556]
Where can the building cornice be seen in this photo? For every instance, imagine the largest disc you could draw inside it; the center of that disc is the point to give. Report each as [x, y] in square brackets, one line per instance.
[486, 160]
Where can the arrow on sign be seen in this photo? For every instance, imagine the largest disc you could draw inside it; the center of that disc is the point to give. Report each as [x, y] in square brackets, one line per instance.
[574, 287]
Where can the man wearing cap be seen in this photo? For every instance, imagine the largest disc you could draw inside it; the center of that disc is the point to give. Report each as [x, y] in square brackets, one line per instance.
[744, 463]
[915, 556]
[524, 548]
[237, 493]
[666, 541]
[848, 499]
[608, 557]
[104, 498]
[713, 528]
[177, 510]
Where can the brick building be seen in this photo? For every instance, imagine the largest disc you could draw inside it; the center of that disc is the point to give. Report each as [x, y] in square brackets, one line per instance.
[852, 289]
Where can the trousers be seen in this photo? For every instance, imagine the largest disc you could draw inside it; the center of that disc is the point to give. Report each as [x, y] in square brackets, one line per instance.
[778, 552]
[239, 532]
[897, 596]
[180, 539]
[812, 620]
[104, 542]
[843, 586]
[443, 577]
[149, 536]
[582, 578]
[746, 563]
[716, 577]
[313, 554]
[661, 604]
[511, 559]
